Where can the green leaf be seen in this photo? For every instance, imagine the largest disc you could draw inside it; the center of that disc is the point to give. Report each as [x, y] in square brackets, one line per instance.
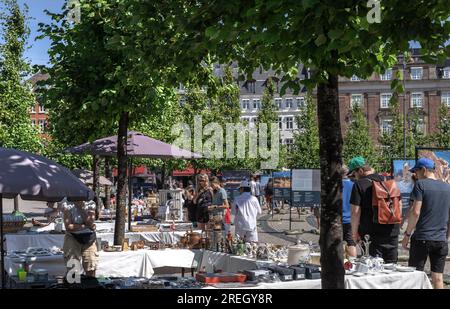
[335, 34]
[321, 39]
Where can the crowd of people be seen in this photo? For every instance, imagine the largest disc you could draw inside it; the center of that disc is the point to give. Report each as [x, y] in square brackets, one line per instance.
[426, 235]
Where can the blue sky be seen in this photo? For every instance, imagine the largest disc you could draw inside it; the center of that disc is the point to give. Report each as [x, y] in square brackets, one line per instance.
[37, 52]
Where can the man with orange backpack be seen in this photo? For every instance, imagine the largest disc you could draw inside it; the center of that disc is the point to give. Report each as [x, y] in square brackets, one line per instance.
[376, 210]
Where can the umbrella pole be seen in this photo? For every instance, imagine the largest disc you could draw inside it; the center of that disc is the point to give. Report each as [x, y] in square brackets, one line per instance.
[130, 193]
[2, 242]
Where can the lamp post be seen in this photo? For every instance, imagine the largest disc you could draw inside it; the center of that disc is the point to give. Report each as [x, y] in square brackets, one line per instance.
[404, 108]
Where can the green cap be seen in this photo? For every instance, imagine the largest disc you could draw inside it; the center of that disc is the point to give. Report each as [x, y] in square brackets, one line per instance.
[355, 163]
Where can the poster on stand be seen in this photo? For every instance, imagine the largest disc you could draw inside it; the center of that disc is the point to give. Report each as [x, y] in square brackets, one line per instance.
[282, 185]
[306, 187]
[232, 181]
[441, 159]
[403, 179]
[264, 179]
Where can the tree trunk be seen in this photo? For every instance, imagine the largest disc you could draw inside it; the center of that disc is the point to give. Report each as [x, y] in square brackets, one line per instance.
[107, 188]
[119, 232]
[16, 203]
[330, 162]
[95, 184]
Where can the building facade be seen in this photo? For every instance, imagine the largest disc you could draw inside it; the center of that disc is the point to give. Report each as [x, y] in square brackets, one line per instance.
[427, 86]
[38, 113]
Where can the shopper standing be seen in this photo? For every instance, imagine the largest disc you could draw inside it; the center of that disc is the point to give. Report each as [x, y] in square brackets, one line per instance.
[429, 219]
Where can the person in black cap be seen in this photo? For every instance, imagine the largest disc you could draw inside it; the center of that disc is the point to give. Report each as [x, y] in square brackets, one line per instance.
[429, 219]
[383, 237]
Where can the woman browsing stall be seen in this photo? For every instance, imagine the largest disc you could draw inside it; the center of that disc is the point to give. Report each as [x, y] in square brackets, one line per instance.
[80, 239]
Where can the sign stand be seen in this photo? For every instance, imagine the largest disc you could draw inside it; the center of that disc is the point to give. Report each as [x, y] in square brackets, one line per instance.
[305, 191]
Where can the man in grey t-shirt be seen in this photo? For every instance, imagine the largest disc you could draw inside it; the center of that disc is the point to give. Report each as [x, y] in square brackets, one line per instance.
[429, 218]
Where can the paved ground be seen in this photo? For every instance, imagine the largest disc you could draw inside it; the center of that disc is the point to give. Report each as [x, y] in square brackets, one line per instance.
[271, 228]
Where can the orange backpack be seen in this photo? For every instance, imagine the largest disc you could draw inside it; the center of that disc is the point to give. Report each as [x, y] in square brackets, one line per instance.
[386, 202]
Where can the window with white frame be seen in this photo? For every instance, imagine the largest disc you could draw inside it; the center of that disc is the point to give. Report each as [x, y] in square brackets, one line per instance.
[289, 144]
[33, 122]
[416, 73]
[289, 123]
[355, 78]
[42, 124]
[253, 121]
[445, 98]
[245, 103]
[384, 100]
[356, 100]
[416, 100]
[41, 109]
[256, 103]
[446, 73]
[386, 126]
[300, 102]
[278, 103]
[280, 123]
[387, 75]
[288, 102]
[33, 109]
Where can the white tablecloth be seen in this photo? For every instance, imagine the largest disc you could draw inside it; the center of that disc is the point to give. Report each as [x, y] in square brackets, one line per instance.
[140, 263]
[410, 280]
[23, 241]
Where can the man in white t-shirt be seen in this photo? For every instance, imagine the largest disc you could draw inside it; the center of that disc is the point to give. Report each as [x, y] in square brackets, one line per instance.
[246, 209]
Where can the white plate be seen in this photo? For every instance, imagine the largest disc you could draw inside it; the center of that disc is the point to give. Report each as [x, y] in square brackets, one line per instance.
[390, 266]
[357, 274]
[405, 269]
[387, 271]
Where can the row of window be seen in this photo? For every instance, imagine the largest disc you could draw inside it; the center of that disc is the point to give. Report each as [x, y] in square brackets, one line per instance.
[42, 124]
[416, 99]
[41, 109]
[284, 123]
[386, 126]
[416, 73]
[288, 103]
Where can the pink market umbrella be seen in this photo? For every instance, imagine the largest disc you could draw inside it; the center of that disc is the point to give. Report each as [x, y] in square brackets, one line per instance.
[138, 145]
[34, 177]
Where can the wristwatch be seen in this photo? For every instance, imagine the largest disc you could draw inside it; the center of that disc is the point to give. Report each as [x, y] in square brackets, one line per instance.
[407, 234]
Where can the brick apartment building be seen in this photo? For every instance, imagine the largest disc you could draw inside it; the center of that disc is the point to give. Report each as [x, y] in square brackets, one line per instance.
[427, 86]
[38, 113]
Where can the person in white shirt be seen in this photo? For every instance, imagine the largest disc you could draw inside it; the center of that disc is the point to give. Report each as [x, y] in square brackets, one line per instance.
[254, 186]
[245, 209]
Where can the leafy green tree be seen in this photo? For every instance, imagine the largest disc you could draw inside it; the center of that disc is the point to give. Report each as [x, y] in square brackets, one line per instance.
[305, 152]
[442, 136]
[332, 38]
[95, 87]
[392, 141]
[16, 95]
[357, 141]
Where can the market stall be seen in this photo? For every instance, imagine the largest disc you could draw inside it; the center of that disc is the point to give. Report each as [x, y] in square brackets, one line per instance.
[398, 280]
[139, 263]
[16, 242]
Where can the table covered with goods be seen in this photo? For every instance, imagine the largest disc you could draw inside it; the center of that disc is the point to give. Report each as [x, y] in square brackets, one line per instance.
[233, 264]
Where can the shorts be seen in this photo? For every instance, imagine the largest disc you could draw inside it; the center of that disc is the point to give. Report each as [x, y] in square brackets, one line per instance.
[422, 249]
[347, 231]
[248, 235]
[86, 253]
[385, 247]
